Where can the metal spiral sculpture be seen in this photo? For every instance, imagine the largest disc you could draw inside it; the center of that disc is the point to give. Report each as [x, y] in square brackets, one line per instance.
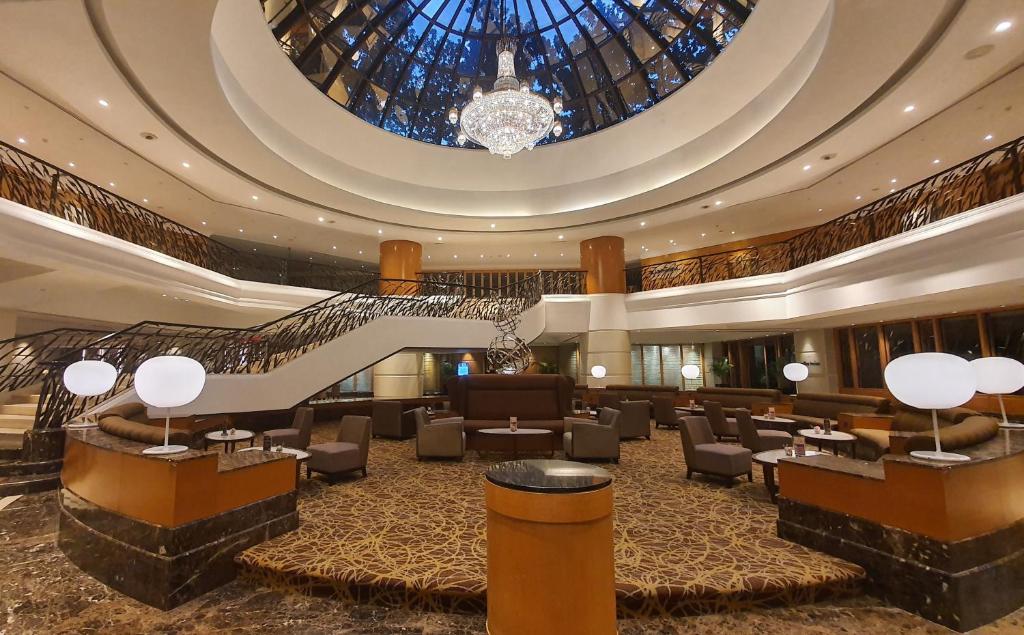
[508, 354]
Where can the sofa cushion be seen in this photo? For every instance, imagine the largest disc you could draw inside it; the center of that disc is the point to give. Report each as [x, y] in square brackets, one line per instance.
[831, 404]
[475, 425]
[871, 443]
[133, 411]
[720, 458]
[909, 419]
[969, 432]
[141, 432]
[738, 397]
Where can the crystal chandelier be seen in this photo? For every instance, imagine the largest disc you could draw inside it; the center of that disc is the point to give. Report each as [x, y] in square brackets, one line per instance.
[510, 117]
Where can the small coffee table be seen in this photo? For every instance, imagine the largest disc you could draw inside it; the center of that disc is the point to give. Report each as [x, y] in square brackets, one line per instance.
[300, 457]
[521, 432]
[768, 461]
[694, 410]
[229, 440]
[836, 438]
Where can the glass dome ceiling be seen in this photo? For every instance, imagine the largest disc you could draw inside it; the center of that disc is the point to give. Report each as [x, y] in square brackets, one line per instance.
[401, 64]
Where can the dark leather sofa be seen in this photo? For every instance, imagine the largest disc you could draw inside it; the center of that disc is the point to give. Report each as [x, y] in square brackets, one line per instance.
[733, 398]
[487, 401]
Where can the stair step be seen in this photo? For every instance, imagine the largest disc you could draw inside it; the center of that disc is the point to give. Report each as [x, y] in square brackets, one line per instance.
[23, 399]
[16, 422]
[28, 483]
[19, 409]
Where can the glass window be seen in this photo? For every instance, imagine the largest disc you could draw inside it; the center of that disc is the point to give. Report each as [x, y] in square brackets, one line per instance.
[1006, 335]
[899, 338]
[636, 362]
[845, 359]
[926, 333]
[671, 364]
[869, 359]
[960, 336]
[652, 365]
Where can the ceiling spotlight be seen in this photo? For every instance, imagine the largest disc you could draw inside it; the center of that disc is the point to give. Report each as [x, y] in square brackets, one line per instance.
[534, 255]
[734, 233]
[255, 198]
[562, 255]
[380, 231]
[702, 234]
[275, 238]
[334, 246]
[718, 202]
[145, 200]
[360, 251]
[481, 255]
[935, 161]
[440, 238]
[185, 164]
[508, 255]
[988, 137]
[643, 223]
[204, 222]
[456, 256]
[493, 225]
[104, 103]
[909, 108]
[428, 256]
[112, 184]
[807, 167]
[892, 180]
[320, 218]
[857, 198]
[561, 237]
[241, 231]
[71, 164]
[891, 190]
[819, 209]
[22, 140]
[1003, 26]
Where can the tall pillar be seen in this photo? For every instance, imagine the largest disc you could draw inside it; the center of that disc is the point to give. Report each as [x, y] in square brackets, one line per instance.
[8, 324]
[604, 259]
[401, 375]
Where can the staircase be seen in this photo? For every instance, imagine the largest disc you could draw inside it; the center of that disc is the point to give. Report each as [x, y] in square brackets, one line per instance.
[16, 416]
[17, 476]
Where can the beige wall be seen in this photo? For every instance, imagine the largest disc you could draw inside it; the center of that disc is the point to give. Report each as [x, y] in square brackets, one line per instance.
[8, 324]
[610, 349]
[398, 376]
[816, 348]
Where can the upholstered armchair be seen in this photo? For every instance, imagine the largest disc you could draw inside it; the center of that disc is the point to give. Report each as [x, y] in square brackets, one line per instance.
[759, 440]
[609, 399]
[389, 422]
[665, 412]
[594, 440]
[440, 438]
[348, 453]
[706, 456]
[635, 419]
[296, 436]
[721, 426]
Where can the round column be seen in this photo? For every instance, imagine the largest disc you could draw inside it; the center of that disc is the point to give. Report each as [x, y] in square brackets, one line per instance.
[550, 554]
[604, 259]
[401, 375]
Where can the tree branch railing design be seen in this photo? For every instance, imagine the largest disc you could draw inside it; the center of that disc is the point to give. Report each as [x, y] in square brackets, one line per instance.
[986, 178]
[25, 361]
[551, 281]
[268, 346]
[45, 187]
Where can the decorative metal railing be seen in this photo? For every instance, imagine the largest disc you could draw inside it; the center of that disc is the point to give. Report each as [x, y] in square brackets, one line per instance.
[989, 177]
[25, 361]
[262, 348]
[45, 187]
[552, 281]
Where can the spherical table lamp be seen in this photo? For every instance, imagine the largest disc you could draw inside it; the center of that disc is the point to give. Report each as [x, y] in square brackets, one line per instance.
[931, 381]
[169, 381]
[89, 378]
[796, 373]
[598, 371]
[690, 371]
[999, 376]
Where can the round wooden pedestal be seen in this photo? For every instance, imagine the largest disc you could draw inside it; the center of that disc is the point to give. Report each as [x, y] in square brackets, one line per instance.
[550, 563]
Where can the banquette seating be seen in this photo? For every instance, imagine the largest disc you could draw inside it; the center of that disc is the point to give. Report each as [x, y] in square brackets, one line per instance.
[874, 433]
[732, 398]
[641, 392]
[129, 421]
[811, 409]
[537, 401]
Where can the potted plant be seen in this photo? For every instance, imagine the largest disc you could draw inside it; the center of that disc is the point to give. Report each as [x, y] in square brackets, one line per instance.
[721, 367]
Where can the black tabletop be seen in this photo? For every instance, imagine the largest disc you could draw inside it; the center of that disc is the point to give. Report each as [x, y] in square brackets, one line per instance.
[549, 476]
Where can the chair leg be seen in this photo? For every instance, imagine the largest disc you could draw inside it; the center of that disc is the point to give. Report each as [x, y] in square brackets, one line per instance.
[689, 474]
[309, 473]
[750, 476]
[364, 473]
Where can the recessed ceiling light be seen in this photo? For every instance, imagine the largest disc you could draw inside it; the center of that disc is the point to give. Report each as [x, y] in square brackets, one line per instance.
[718, 202]
[334, 246]
[455, 256]
[892, 180]
[672, 241]
[643, 223]
[254, 249]
[380, 231]
[275, 238]
[807, 167]
[702, 234]
[163, 295]
[104, 103]
[508, 255]
[481, 255]
[145, 200]
[734, 233]
[1003, 26]
[112, 184]
[440, 238]
[561, 237]
[185, 164]
[857, 198]
[909, 108]
[241, 231]
[71, 164]
[988, 137]
[935, 160]
[255, 198]
[493, 225]
[360, 251]
[22, 140]
[428, 256]
[320, 218]
[204, 222]
[534, 255]
[562, 255]
[891, 190]
[819, 209]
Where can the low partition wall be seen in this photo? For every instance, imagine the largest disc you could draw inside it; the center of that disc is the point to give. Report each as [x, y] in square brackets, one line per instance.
[165, 529]
[945, 541]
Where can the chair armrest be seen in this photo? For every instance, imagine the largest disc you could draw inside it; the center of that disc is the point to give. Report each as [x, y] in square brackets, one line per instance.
[447, 421]
[850, 420]
[569, 422]
[594, 429]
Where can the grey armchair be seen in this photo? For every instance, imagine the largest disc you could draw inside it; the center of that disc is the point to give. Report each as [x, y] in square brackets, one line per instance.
[635, 419]
[609, 399]
[706, 456]
[665, 412]
[440, 438]
[721, 425]
[594, 440]
[348, 453]
[389, 422]
[296, 436]
[759, 440]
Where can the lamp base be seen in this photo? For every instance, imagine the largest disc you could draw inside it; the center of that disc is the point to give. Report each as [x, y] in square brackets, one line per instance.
[84, 425]
[166, 449]
[1012, 426]
[932, 455]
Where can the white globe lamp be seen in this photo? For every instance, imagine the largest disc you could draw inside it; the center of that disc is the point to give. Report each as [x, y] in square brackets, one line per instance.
[999, 376]
[598, 371]
[690, 371]
[796, 373]
[931, 381]
[169, 381]
[89, 378]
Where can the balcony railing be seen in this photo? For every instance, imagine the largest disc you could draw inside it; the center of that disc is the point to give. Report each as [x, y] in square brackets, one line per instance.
[989, 177]
[45, 187]
[552, 281]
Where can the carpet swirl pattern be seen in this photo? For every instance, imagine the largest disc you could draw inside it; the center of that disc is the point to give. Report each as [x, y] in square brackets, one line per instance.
[413, 534]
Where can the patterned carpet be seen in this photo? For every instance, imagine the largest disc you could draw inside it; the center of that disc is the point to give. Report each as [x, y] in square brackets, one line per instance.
[413, 535]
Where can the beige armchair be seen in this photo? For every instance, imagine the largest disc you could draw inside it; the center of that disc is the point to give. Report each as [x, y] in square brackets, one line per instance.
[349, 453]
[635, 419]
[706, 456]
[389, 422]
[440, 438]
[296, 436]
[759, 440]
[721, 426]
[594, 440]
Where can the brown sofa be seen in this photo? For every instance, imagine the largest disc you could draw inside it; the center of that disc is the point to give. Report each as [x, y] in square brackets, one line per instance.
[971, 431]
[873, 442]
[129, 421]
[732, 398]
[812, 408]
[642, 392]
[487, 401]
[115, 424]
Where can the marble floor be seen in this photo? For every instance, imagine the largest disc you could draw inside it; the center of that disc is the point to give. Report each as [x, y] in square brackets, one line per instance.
[41, 592]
